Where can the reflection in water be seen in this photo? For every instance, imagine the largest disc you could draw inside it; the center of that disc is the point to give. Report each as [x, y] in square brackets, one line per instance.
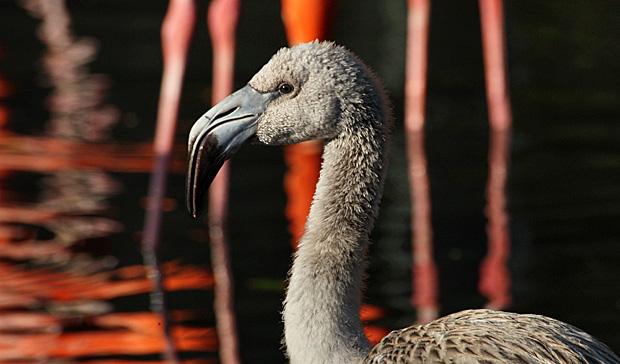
[76, 101]
[56, 296]
[46, 155]
[80, 194]
[564, 194]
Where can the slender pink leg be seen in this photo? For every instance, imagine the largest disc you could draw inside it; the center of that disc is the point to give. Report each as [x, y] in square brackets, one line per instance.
[223, 17]
[176, 33]
[494, 275]
[424, 270]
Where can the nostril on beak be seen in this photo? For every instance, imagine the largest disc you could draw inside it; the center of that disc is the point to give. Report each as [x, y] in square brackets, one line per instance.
[225, 113]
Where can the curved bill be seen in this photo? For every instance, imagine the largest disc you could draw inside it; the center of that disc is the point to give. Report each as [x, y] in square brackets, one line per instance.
[216, 136]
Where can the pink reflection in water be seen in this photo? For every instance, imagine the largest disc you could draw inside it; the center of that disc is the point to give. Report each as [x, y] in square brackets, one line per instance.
[55, 302]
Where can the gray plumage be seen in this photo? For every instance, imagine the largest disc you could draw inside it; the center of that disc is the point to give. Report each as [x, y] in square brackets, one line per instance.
[322, 91]
[485, 337]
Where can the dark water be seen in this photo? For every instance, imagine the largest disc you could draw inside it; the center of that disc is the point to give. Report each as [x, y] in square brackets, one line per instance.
[564, 189]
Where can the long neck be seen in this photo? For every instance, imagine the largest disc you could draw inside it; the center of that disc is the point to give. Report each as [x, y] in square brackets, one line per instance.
[321, 310]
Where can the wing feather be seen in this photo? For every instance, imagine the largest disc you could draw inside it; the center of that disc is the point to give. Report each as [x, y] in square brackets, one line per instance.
[491, 337]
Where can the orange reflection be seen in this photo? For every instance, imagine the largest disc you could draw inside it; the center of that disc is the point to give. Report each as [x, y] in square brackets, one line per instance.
[45, 154]
[56, 298]
[368, 314]
[22, 288]
[91, 343]
[70, 298]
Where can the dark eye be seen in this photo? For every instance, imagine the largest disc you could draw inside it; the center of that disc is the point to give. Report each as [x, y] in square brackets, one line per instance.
[285, 88]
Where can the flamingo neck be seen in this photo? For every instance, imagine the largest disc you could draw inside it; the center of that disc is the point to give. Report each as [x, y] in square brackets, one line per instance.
[321, 310]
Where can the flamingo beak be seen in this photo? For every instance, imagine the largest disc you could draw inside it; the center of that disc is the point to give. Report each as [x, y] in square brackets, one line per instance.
[216, 136]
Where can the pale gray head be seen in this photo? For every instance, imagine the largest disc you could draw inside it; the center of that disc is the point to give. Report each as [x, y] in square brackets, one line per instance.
[302, 93]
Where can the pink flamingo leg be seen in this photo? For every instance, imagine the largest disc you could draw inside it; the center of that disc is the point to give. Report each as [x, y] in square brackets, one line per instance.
[176, 33]
[494, 275]
[222, 18]
[424, 271]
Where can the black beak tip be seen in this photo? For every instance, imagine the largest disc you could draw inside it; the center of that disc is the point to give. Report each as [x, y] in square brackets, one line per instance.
[194, 206]
[199, 179]
[216, 136]
[193, 212]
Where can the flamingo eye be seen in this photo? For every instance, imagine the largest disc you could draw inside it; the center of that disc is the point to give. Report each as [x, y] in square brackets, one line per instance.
[285, 88]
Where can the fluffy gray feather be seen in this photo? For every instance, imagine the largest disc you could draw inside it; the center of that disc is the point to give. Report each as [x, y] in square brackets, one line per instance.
[322, 91]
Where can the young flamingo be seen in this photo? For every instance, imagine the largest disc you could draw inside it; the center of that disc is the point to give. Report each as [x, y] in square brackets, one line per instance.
[322, 91]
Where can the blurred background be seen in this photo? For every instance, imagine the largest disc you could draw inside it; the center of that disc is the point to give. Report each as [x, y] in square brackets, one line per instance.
[75, 156]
